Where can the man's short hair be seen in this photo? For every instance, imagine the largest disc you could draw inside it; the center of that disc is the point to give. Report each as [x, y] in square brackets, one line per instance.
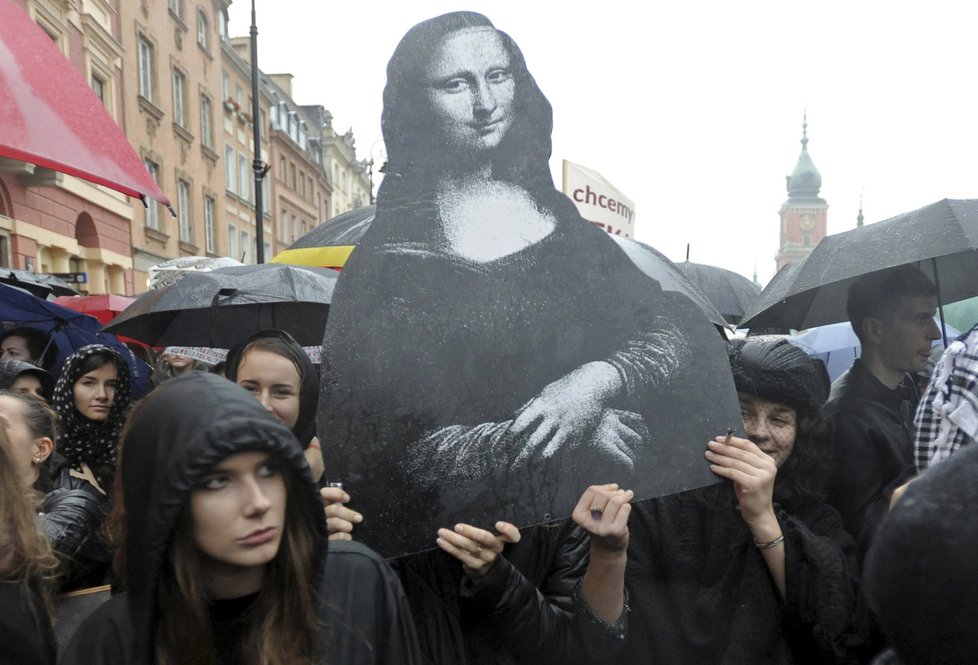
[872, 295]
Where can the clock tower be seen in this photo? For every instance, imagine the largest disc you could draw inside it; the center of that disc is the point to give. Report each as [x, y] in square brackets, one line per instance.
[804, 214]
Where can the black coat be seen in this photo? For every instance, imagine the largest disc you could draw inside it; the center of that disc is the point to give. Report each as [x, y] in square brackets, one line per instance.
[188, 425]
[700, 592]
[26, 637]
[367, 619]
[872, 447]
[71, 515]
[520, 612]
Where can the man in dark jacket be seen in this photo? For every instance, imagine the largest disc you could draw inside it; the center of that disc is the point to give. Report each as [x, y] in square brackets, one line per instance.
[872, 405]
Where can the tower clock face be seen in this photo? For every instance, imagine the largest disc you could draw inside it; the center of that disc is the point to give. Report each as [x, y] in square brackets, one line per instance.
[807, 222]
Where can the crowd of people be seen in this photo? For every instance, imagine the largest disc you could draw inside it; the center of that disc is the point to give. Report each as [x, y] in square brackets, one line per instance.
[838, 528]
[207, 499]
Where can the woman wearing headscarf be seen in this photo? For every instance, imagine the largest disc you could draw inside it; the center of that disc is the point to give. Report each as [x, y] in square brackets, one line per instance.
[756, 569]
[225, 550]
[277, 371]
[92, 397]
[483, 326]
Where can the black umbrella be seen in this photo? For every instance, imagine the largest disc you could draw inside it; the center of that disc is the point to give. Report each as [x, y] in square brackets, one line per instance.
[329, 244]
[38, 284]
[941, 239]
[221, 307]
[730, 292]
[669, 276]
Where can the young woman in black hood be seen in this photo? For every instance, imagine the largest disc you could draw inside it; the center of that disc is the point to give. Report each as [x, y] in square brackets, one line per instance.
[225, 548]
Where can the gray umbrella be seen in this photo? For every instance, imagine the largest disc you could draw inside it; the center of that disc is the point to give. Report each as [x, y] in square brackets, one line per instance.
[941, 239]
[224, 306]
[730, 292]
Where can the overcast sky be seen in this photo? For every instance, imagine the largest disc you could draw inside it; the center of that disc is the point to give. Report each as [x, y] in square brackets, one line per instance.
[694, 109]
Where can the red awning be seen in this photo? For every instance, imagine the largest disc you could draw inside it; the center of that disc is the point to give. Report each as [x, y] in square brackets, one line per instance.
[51, 118]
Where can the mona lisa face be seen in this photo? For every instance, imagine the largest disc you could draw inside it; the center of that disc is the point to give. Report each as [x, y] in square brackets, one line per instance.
[471, 89]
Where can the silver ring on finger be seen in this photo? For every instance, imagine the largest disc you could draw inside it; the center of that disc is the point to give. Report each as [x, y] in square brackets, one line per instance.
[478, 551]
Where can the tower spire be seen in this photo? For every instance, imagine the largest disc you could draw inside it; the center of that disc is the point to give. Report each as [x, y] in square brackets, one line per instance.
[859, 217]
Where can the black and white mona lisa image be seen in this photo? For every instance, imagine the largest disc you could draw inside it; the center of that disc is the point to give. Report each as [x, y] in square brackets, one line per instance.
[489, 353]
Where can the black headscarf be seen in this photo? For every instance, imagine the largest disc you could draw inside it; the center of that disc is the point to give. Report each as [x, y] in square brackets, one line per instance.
[305, 426]
[84, 440]
[178, 433]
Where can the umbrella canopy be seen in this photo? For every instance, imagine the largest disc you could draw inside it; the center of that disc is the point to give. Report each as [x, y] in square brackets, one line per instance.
[69, 330]
[730, 292]
[51, 118]
[39, 284]
[173, 270]
[103, 307]
[941, 239]
[837, 346]
[221, 307]
[669, 276]
[330, 244]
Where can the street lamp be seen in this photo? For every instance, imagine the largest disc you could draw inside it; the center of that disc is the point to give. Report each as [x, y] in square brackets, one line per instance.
[260, 168]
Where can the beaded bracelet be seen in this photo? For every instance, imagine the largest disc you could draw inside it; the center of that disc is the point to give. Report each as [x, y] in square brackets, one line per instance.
[766, 546]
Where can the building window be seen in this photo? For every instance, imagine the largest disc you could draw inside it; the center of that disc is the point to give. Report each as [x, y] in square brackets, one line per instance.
[222, 25]
[98, 87]
[206, 126]
[283, 226]
[183, 202]
[230, 164]
[209, 224]
[244, 183]
[233, 242]
[179, 95]
[245, 247]
[145, 57]
[281, 168]
[239, 96]
[292, 176]
[176, 8]
[152, 207]
[302, 183]
[202, 28]
[295, 228]
[225, 87]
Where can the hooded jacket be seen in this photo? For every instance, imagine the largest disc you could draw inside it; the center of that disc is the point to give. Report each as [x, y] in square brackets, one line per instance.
[190, 424]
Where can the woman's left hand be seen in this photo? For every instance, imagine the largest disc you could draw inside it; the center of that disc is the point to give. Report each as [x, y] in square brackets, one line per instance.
[752, 472]
[476, 548]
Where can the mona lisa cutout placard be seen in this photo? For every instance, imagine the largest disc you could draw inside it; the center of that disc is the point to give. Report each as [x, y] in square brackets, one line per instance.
[489, 353]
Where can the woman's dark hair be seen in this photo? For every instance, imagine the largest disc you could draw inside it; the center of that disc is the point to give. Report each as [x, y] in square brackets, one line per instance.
[776, 370]
[95, 361]
[42, 349]
[284, 624]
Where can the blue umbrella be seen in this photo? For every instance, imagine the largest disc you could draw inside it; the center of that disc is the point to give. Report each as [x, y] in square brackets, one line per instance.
[69, 330]
[837, 345]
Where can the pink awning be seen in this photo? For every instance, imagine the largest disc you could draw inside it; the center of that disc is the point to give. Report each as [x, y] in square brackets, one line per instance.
[51, 118]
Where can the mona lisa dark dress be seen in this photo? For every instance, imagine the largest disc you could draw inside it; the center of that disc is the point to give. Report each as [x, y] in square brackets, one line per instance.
[430, 356]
